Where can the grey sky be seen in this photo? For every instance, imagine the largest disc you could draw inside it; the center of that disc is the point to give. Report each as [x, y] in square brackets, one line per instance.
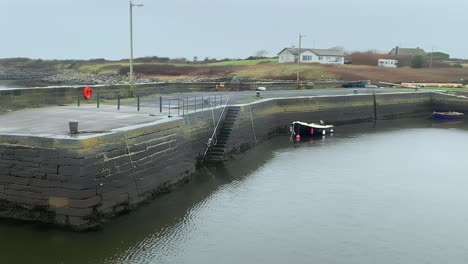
[86, 29]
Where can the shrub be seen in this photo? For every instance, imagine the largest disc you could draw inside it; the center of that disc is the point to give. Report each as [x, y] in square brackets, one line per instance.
[418, 61]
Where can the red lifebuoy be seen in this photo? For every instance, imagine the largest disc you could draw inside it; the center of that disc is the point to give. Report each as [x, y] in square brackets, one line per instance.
[87, 93]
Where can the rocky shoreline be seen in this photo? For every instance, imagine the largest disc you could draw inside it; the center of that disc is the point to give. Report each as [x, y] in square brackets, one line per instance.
[36, 77]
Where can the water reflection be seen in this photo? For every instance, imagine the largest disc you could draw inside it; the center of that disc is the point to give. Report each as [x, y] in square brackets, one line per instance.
[366, 195]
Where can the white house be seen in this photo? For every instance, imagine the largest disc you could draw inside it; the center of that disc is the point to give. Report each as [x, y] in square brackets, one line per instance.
[324, 56]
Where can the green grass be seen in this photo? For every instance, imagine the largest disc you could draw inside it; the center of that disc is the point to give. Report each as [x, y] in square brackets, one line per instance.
[283, 71]
[241, 62]
[448, 89]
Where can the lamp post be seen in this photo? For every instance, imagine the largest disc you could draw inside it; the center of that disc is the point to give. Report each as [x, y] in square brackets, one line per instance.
[131, 45]
[299, 58]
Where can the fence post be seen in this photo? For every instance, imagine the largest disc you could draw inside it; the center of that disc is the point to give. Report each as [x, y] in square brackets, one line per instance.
[178, 107]
[118, 101]
[160, 104]
[183, 107]
[138, 103]
[195, 107]
[97, 100]
[78, 96]
[169, 108]
[202, 103]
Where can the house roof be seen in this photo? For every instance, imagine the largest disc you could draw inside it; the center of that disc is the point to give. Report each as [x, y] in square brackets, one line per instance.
[407, 51]
[318, 52]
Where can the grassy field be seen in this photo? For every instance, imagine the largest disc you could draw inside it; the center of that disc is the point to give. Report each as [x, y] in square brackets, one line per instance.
[114, 66]
[242, 62]
[261, 69]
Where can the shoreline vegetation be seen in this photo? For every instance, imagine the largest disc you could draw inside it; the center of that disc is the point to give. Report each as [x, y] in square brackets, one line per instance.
[37, 72]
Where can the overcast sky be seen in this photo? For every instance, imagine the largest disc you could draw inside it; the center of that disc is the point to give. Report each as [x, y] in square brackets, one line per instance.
[84, 29]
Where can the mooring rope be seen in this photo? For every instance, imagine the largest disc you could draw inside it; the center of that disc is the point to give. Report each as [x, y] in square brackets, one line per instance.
[131, 164]
[251, 120]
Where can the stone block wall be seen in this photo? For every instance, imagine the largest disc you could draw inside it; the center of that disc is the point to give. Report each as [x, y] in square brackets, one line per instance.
[447, 102]
[261, 120]
[81, 182]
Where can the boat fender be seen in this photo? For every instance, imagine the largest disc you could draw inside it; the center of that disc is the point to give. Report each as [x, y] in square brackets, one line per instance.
[311, 131]
[298, 137]
[323, 132]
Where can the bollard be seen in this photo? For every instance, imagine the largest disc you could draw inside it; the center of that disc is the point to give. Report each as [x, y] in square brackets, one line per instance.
[97, 100]
[258, 94]
[73, 125]
[118, 101]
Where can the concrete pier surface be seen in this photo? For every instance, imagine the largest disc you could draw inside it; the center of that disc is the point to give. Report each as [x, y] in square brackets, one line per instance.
[53, 121]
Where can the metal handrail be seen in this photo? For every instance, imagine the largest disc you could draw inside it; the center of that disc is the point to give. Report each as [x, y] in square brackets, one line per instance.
[208, 145]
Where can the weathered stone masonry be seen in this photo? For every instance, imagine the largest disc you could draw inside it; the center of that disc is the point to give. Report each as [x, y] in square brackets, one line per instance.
[80, 182]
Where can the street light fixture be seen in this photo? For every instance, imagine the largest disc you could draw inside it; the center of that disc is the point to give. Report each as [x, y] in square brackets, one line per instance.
[131, 45]
[299, 58]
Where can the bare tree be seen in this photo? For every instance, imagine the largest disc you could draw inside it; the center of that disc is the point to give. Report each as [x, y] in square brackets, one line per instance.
[261, 53]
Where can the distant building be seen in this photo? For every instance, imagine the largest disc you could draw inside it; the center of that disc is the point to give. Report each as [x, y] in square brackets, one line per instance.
[324, 56]
[410, 52]
[387, 63]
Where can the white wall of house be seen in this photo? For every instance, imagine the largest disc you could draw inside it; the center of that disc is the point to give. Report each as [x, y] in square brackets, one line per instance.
[310, 57]
[286, 56]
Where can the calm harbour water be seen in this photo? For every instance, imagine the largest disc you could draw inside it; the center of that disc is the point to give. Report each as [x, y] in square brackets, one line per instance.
[395, 193]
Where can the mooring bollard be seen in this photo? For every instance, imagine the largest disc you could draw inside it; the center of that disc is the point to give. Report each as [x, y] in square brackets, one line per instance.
[73, 125]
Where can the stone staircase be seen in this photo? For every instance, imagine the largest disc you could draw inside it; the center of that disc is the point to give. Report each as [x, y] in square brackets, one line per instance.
[217, 151]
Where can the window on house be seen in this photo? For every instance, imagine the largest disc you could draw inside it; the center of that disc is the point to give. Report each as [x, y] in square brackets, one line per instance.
[306, 58]
[320, 58]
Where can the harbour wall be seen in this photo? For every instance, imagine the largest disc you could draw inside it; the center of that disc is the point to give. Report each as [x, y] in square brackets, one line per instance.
[21, 98]
[81, 182]
[261, 120]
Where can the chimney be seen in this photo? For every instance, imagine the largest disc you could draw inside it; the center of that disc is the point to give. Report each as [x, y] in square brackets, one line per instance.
[396, 50]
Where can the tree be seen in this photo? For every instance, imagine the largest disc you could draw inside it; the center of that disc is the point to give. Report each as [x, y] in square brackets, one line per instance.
[418, 61]
[261, 53]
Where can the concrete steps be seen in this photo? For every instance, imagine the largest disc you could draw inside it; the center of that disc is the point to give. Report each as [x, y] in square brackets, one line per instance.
[217, 151]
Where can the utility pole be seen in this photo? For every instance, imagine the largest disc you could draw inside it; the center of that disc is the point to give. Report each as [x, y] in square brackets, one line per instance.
[131, 46]
[299, 59]
[432, 54]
